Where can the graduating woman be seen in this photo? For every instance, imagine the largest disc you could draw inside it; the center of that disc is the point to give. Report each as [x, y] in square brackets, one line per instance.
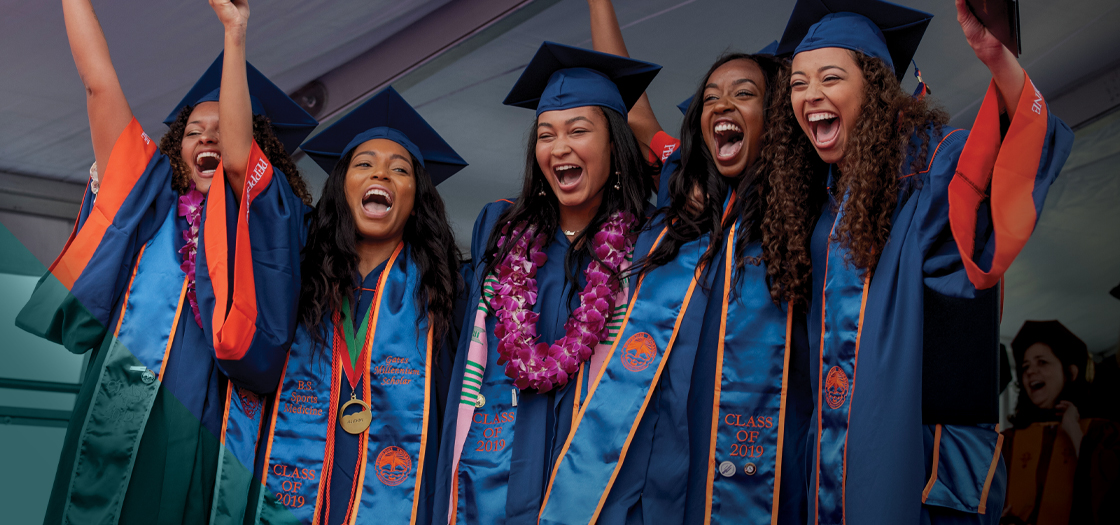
[141, 446]
[1062, 466]
[547, 280]
[742, 413]
[352, 433]
[906, 251]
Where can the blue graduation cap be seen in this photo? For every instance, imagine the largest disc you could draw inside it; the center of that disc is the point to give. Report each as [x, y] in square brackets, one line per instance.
[770, 50]
[290, 123]
[386, 116]
[565, 77]
[873, 27]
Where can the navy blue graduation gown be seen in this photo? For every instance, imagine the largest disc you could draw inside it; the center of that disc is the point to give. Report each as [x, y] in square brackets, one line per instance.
[264, 280]
[149, 409]
[513, 490]
[904, 429]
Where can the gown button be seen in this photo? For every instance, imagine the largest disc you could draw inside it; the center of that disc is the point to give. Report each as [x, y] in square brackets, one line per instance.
[480, 402]
[147, 377]
[750, 469]
[727, 469]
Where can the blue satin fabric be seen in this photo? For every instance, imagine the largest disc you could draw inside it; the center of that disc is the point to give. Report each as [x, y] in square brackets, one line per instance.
[398, 396]
[508, 446]
[149, 319]
[610, 420]
[749, 425]
[149, 314]
[841, 305]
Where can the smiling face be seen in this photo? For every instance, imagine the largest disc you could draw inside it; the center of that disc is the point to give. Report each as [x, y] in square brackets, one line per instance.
[1043, 376]
[827, 90]
[733, 115]
[200, 148]
[573, 151]
[380, 190]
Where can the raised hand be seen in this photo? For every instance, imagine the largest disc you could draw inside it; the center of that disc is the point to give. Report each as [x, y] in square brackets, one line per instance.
[232, 13]
[986, 46]
[1006, 71]
[1071, 424]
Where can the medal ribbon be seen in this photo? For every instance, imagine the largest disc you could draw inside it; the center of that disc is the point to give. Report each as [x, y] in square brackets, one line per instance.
[358, 354]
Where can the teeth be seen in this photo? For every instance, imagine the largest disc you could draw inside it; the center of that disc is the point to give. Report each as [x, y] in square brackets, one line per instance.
[377, 191]
[815, 117]
[565, 167]
[205, 154]
[727, 126]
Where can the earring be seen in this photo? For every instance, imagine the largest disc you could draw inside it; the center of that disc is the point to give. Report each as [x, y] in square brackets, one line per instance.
[541, 193]
[617, 184]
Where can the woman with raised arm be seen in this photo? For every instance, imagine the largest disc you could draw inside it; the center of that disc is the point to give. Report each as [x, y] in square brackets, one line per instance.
[744, 390]
[549, 285]
[369, 279]
[141, 444]
[907, 226]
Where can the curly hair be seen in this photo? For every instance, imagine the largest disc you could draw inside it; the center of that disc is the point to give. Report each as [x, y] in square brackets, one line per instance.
[698, 169]
[635, 189]
[172, 143]
[330, 257]
[892, 126]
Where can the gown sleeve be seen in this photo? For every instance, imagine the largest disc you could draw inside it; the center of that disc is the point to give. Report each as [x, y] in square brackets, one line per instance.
[988, 193]
[979, 200]
[248, 273]
[73, 303]
[668, 154]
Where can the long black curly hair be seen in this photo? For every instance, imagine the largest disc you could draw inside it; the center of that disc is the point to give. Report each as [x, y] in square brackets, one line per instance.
[543, 211]
[330, 257]
[172, 142]
[698, 169]
[892, 126]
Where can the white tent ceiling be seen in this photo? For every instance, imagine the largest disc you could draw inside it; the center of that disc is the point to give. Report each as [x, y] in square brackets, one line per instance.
[160, 46]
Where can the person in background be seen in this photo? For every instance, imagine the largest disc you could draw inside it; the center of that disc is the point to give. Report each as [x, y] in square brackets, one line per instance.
[1062, 467]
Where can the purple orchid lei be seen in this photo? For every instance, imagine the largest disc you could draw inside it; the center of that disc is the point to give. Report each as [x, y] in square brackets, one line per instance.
[190, 207]
[539, 365]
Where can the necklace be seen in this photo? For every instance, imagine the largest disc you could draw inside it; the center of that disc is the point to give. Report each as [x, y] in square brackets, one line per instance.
[540, 365]
[571, 233]
[190, 208]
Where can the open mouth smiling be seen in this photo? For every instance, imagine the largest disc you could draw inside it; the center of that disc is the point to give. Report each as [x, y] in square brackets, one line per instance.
[377, 202]
[729, 139]
[825, 127]
[567, 175]
[207, 163]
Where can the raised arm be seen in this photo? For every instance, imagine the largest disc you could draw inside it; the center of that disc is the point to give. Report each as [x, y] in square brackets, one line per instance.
[235, 110]
[606, 37]
[108, 110]
[1007, 74]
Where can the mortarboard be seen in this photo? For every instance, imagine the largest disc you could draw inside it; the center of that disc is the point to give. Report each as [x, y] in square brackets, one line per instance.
[386, 116]
[290, 123]
[565, 77]
[875, 28]
[768, 51]
[1069, 348]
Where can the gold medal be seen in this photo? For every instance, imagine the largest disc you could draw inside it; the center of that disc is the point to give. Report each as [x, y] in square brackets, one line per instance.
[357, 422]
